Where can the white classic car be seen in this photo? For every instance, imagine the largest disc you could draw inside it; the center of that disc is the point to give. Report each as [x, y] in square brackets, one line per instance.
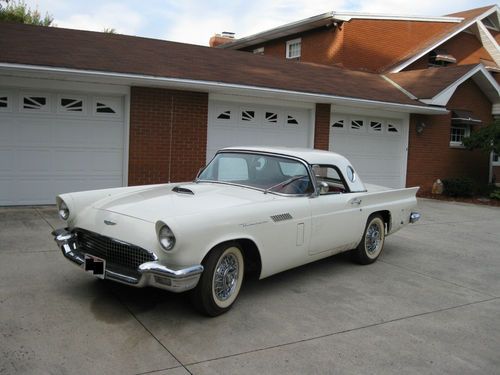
[251, 209]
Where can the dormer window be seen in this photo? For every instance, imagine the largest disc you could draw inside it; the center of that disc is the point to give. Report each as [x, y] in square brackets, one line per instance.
[293, 48]
[441, 58]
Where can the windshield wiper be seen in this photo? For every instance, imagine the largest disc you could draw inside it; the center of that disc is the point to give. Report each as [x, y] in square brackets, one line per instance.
[285, 183]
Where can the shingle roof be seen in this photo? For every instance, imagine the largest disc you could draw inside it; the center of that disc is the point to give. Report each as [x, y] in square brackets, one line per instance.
[84, 50]
[427, 83]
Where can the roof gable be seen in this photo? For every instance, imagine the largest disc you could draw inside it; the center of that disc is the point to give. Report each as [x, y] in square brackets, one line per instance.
[435, 86]
[471, 18]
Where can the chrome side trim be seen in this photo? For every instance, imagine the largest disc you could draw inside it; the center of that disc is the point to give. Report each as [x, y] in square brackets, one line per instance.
[151, 273]
[414, 217]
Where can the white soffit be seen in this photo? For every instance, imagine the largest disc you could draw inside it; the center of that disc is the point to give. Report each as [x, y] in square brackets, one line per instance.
[465, 26]
[480, 76]
[489, 43]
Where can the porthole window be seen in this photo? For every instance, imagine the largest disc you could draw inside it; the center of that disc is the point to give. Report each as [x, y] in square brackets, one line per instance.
[351, 175]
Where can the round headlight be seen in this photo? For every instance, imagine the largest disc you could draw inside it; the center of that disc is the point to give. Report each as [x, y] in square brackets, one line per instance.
[166, 238]
[63, 211]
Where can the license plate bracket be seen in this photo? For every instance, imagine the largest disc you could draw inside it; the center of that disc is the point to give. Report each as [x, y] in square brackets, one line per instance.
[95, 265]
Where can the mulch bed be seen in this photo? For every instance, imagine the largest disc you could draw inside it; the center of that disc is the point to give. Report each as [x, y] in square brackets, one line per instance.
[474, 200]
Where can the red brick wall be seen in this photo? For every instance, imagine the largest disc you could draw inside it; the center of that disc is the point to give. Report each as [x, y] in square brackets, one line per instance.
[322, 127]
[368, 45]
[429, 155]
[466, 48]
[155, 115]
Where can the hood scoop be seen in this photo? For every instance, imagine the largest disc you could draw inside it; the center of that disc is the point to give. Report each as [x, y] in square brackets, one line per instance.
[182, 190]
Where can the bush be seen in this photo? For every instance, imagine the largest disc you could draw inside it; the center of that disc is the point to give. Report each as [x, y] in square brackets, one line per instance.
[459, 187]
[495, 195]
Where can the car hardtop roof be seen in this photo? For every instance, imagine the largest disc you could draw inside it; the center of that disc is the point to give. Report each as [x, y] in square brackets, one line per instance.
[311, 156]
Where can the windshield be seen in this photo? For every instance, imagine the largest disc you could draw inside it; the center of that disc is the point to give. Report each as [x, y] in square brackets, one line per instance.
[266, 172]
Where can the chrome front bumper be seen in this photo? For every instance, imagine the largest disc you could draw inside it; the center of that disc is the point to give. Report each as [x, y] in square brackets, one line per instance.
[149, 274]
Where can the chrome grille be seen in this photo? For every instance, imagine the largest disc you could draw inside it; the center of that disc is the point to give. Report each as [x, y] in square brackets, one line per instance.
[116, 253]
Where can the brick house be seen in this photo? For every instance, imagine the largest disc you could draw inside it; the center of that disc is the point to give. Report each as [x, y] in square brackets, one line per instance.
[432, 59]
[84, 110]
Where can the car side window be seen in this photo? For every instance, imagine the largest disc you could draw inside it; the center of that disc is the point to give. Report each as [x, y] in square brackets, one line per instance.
[330, 180]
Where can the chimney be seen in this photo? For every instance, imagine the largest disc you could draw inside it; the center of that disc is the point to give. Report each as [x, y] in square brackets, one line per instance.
[222, 38]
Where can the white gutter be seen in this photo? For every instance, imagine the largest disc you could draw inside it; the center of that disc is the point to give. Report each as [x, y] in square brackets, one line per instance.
[403, 65]
[347, 16]
[218, 87]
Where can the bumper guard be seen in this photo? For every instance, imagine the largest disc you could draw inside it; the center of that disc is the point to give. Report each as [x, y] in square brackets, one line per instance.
[150, 273]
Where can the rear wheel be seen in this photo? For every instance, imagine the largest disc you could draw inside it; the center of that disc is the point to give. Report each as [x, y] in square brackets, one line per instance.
[372, 243]
[220, 281]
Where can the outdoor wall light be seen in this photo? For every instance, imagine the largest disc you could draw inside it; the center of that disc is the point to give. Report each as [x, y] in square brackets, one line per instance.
[420, 128]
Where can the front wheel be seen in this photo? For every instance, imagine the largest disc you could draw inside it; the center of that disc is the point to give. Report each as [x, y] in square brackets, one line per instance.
[372, 243]
[220, 281]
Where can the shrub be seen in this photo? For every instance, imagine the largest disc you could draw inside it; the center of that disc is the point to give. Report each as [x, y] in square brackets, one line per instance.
[495, 194]
[459, 187]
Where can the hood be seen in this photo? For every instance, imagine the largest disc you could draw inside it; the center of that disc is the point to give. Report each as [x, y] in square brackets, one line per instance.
[165, 201]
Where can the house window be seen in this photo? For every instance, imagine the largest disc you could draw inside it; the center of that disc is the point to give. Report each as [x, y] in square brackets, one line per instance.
[259, 51]
[495, 159]
[293, 48]
[457, 134]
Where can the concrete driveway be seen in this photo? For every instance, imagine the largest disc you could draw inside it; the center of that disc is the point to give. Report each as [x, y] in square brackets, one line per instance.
[431, 304]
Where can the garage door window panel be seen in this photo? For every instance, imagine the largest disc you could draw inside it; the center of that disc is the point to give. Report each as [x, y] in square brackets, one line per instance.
[108, 107]
[35, 103]
[357, 125]
[376, 126]
[271, 118]
[224, 115]
[71, 105]
[393, 128]
[5, 101]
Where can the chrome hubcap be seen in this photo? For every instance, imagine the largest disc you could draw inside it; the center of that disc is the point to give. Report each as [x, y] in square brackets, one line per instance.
[226, 277]
[373, 238]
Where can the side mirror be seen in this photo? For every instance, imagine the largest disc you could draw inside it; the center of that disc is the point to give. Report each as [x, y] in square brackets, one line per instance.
[323, 187]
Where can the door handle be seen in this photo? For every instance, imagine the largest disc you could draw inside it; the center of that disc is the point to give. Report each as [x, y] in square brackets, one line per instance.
[356, 201]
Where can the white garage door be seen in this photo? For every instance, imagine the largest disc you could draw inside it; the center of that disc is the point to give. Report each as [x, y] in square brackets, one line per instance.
[232, 124]
[375, 146]
[55, 142]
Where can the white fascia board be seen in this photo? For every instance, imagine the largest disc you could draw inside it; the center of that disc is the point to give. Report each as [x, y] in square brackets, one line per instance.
[214, 87]
[445, 95]
[280, 31]
[489, 43]
[347, 16]
[403, 65]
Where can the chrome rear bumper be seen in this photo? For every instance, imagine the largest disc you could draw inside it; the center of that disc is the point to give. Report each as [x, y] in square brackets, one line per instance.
[148, 274]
